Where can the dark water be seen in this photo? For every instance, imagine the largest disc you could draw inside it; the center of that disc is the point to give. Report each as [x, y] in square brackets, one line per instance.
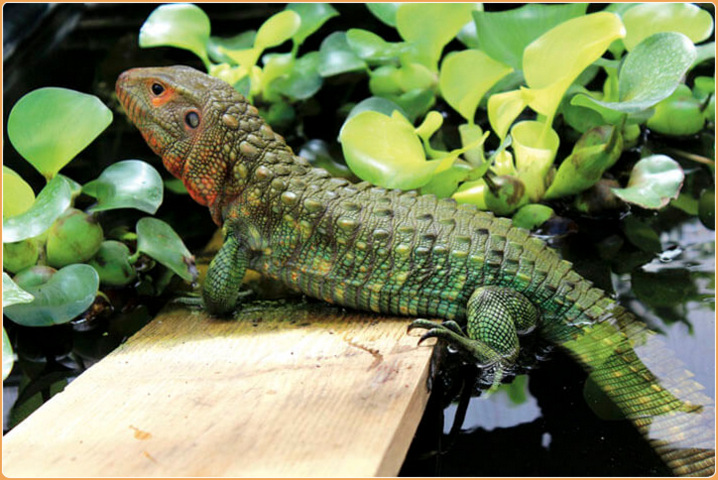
[540, 424]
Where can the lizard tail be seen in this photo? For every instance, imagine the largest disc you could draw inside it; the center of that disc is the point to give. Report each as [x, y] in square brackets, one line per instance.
[650, 386]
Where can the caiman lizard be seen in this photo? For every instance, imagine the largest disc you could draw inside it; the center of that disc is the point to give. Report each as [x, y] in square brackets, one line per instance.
[402, 253]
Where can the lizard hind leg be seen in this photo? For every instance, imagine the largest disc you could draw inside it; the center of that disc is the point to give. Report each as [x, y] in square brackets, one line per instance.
[494, 318]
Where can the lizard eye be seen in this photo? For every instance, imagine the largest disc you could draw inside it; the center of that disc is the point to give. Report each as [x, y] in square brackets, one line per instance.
[157, 89]
[192, 119]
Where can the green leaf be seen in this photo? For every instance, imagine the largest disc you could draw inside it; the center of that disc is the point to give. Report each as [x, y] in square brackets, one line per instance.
[386, 12]
[312, 17]
[473, 193]
[52, 201]
[531, 216]
[654, 181]
[505, 35]
[417, 23]
[415, 102]
[8, 356]
[17, 195]
[445, 183]
[503, 108]
[535, 145]
[707, 51]
[126, 184]
[336, 56]
[553, 61]
[594, 153]
[216, 46]
[385, 151]
[157, 239]
[650, 73]
[370, 46]
[277, 29]
[12, 294]
[466, 76]
[646, 19]
[181, 25]
[68, 293]
[303, 81]
[376, 104]
[49, 126]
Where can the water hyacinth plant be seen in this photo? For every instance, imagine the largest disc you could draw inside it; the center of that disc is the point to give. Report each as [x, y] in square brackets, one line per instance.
[61, 257]
[600, 76]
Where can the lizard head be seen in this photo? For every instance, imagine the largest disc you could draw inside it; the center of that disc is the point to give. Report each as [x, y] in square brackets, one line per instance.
[183, 115]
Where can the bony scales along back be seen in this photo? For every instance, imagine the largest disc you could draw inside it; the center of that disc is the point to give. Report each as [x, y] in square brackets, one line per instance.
[402, 253]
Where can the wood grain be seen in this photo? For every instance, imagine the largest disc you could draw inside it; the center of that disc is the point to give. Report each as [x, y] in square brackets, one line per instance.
[286, 389]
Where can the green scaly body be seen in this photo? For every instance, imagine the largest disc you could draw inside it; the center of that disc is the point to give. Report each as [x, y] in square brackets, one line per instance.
[387, 251]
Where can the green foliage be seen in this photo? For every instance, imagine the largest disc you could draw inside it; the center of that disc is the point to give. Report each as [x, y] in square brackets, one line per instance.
[646, 19]
[126, 184]
[654, 181]
[505, 35]
[159, 241]
[17, 195]
[646, 77]
[52, 201]
[180, 25]
[49, 127]
[66, 294]
[524, 68]
[38, 126]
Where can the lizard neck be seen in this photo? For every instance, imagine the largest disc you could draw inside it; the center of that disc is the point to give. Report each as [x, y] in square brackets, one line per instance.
[238, 158]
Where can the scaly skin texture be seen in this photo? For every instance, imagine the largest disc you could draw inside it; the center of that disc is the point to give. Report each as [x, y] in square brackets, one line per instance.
[387, 251]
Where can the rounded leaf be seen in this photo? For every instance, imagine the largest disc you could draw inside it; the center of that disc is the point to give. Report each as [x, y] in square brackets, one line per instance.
[554, 60]
[336, 56]
[430, 26]
[126, 184]
[68, 293]
[385, 151]
[12, 294]
[650, 73]
[181, 25]
[645, 19]
[654, 181]
[156, 239]
[277, 29]
[17, 195]
[504, 35]
[49, 126]
[52, 201]
[375, 104]
[466, 76]
[312, 17]
[303, 80]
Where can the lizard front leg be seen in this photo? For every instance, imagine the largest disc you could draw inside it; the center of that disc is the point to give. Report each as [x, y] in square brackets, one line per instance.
[224, 276]
[494, 318]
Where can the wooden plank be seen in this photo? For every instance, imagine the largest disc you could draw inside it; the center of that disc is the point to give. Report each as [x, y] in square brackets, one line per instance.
[285, 390]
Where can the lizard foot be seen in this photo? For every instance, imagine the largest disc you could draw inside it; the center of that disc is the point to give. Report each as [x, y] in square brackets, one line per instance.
[478, 352]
